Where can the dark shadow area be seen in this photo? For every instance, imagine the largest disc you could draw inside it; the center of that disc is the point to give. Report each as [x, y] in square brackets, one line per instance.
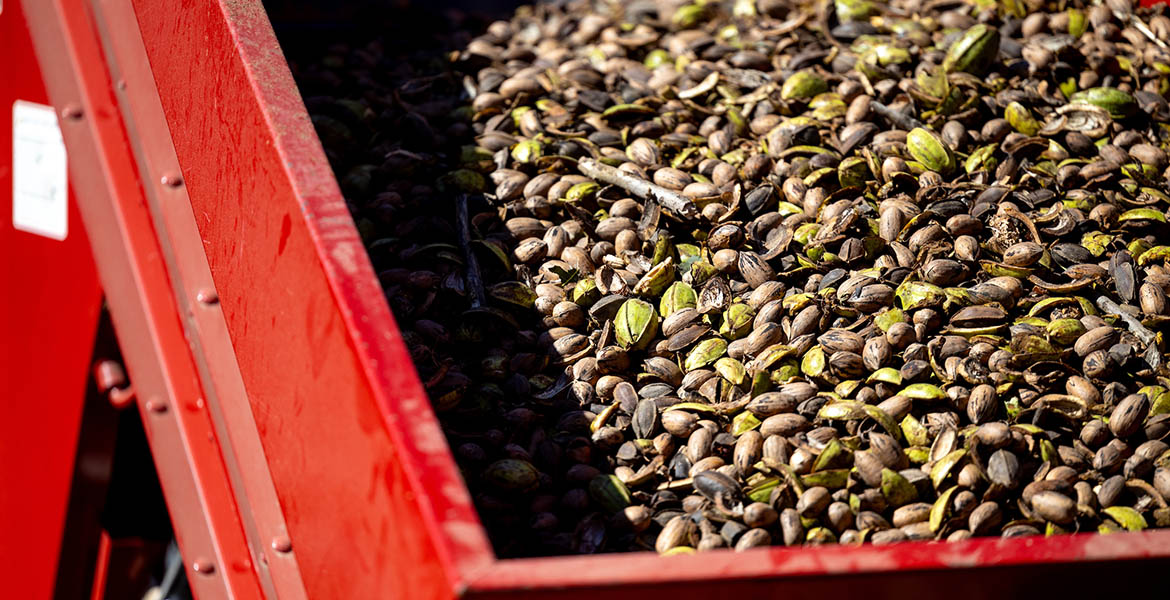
[115, 492]
[306, 28]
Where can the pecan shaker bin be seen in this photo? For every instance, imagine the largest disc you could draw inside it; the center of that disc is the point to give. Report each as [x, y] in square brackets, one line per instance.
[296, 449]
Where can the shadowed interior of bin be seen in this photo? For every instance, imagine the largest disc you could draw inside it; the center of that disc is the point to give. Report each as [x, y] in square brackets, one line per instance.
[392, 131]
[326, 45]
[362, 148]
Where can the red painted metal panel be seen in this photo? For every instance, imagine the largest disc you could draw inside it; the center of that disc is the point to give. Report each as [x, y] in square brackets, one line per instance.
[623, 575]
[141, 302]
[101, 569]
[182, 246]
[372, 499]
[48, 319]
[1042, 580]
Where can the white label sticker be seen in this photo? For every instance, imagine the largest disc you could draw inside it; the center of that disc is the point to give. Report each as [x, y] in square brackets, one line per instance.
[40, 188]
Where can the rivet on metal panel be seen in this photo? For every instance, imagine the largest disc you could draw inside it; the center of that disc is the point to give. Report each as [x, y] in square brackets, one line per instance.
[156, 405]
[72, 111]
[203, 566]
[172, 180]
[206, 296]
[282, 544]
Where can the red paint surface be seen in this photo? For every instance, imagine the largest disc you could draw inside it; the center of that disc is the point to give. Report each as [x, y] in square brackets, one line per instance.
[48, 318]
[101, 568]
[141, 301]
[797, 568]
[225, 397]
[372, 499]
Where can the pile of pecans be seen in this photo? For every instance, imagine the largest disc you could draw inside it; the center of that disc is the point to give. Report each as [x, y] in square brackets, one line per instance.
[689, 275]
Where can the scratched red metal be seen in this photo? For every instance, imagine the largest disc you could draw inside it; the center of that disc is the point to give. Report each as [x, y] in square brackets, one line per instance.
[370, 494]
[225, 397]
[141, 301]
[48, 319]
[778, 565]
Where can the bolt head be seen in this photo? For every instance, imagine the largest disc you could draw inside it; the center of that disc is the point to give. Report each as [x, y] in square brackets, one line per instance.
[281, 544]
[72, 111]
[203, 566]
[207, 296]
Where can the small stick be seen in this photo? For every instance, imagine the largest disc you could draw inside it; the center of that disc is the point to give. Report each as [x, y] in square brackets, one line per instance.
[1136, 21]
[678, 484]
[867, 85]
[1148, 489]
[895, 117]
[1152, 355]
[669, 199]
[1141, 26]
[822, 22]
[472, 275]
[1135, 326]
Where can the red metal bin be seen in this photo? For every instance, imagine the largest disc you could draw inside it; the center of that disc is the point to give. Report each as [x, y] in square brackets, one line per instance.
[296, 447]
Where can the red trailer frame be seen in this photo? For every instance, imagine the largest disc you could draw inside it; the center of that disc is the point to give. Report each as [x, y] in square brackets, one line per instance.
[47, 331]
[296, 447]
